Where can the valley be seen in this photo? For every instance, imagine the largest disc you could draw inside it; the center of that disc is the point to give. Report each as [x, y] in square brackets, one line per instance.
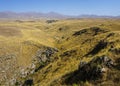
[65, 52]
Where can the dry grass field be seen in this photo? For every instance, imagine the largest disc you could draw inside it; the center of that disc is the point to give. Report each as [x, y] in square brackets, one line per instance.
[55, 51]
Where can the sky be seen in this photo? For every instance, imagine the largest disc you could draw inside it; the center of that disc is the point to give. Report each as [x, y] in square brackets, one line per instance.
[67, 7]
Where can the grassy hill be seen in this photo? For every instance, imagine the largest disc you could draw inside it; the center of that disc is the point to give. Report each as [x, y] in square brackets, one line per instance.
[75, 52]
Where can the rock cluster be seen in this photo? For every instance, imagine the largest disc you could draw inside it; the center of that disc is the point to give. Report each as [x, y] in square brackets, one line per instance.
[93, 31]
[42, 57]
[7, 68]
[95, 68]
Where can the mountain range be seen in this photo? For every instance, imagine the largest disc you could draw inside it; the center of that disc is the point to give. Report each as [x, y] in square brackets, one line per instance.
[49, 15]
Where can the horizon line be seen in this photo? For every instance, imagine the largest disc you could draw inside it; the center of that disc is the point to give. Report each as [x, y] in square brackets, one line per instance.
[58, 13]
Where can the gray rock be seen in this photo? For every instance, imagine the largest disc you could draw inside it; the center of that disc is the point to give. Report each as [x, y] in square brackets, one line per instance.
[95, 68]
[82, 63]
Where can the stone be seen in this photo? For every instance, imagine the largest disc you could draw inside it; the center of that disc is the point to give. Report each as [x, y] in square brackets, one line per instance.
[95, 69]
[103, 70]
[82, 63]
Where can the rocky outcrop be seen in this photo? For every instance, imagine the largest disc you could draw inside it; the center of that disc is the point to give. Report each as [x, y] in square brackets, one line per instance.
[97, 30]
[94, 70]
[45, 67]
[8, 72]
[43, 57]
[104, 61]
[92, 31]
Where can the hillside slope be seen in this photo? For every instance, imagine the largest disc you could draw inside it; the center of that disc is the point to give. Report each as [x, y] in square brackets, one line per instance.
[91, 56]
[83, 52]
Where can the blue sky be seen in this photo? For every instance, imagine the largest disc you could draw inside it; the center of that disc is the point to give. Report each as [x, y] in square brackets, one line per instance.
[68, 7]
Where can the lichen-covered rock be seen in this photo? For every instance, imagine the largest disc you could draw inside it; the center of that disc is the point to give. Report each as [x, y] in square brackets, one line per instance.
[44, 55]
[95, 68]
[42, 58]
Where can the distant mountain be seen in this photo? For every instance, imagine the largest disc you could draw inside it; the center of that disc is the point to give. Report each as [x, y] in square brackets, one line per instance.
[50, 15]
[32, 15]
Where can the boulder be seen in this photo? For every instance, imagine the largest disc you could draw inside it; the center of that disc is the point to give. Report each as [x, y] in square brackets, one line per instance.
[44, 55]
[103, 60]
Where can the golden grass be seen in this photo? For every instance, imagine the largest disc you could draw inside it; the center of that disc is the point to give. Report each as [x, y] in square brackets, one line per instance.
[14, 35]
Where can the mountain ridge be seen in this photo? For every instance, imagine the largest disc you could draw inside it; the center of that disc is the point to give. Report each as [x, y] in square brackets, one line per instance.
[49, 15]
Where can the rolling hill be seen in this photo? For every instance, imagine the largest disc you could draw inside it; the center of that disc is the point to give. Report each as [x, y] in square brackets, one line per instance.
[68, 52]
